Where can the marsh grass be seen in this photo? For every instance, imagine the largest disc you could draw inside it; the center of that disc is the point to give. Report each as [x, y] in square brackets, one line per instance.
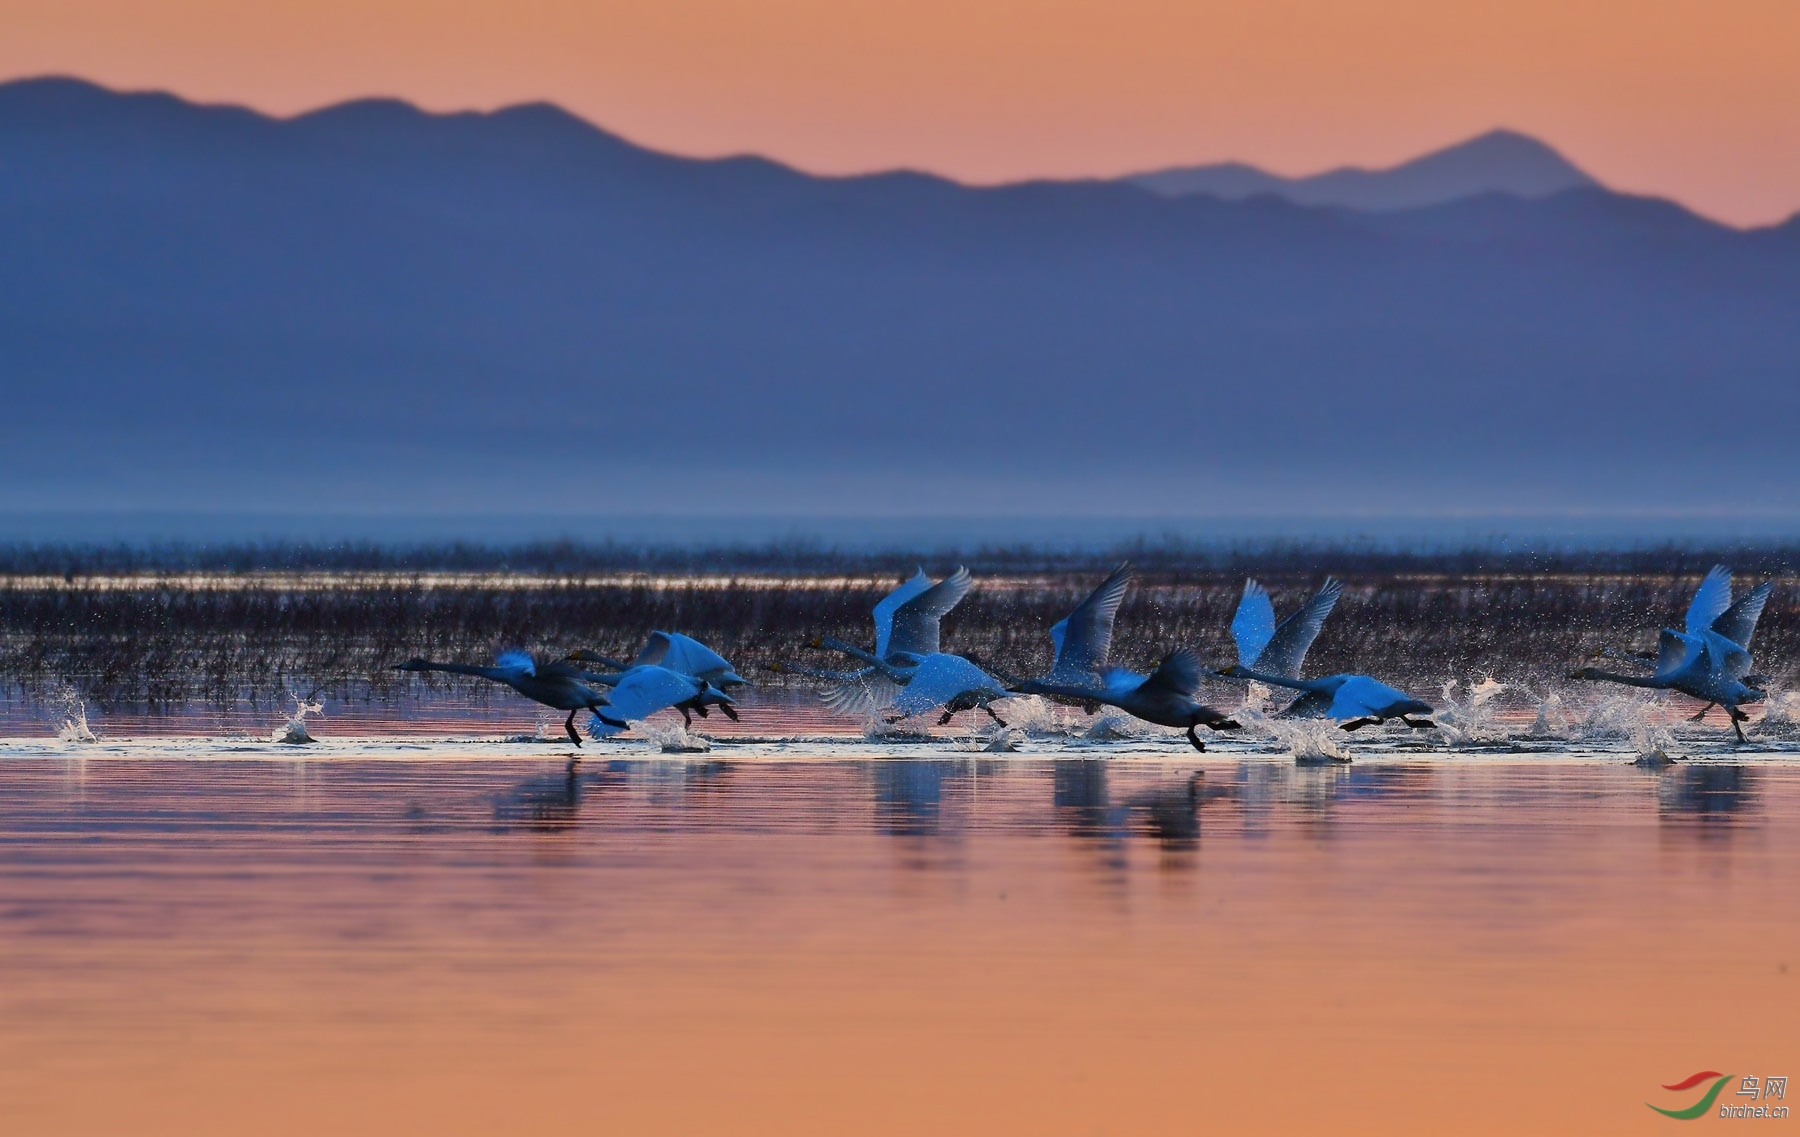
[131, 631]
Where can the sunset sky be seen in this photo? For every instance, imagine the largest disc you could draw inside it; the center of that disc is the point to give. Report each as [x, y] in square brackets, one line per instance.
[1694, 100]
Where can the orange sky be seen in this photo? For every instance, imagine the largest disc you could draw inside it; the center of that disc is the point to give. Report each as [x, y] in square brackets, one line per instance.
[1693, 99]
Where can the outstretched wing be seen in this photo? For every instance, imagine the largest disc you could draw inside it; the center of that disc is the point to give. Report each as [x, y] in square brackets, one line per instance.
[1254, 625]
[682, 654]
[1672, 651]
[1738, 622]
[517, 664]
[1287, 649]
[644, 690]
[915, 630]
[884, 611]
[860, 693]
[1311, 705]
[940, 679]
[1083, 638]
[1178, 672]
[1711, 600]
[1121, 681]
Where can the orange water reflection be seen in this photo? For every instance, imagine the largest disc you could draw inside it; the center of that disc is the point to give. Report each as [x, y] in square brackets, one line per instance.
[1013, 946]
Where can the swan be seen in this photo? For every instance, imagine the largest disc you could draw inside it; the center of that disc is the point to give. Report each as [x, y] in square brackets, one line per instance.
[906, 633]
[1273, 653]
[646, 688]
[559, 684]
[1164, 697]
[1710, 658]
[1083, 640]
[951, 682]
[683, 655]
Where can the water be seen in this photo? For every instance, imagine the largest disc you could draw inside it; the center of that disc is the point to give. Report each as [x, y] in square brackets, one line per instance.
[415, 934]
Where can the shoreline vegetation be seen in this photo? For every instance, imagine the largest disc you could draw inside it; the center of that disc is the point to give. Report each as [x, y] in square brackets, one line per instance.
[170, 626]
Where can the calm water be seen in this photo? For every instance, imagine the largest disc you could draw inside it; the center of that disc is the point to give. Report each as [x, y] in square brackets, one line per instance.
[403, 937]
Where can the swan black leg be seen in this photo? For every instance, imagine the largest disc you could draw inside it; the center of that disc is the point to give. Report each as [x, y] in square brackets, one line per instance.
[1737, 720]
[686, 719]
[944, 719]
[730, 711]
[1701, 713]
[569, 725]
[992, 715]
[1195, 739]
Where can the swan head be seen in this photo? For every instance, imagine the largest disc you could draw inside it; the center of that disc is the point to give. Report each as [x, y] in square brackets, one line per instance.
[816, 642]
[1585, 673]
[1230, 670]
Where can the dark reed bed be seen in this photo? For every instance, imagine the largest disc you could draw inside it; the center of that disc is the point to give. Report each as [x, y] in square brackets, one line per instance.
[172, 628]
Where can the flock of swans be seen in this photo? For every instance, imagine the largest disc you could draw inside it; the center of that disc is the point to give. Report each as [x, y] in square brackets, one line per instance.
[908, 673]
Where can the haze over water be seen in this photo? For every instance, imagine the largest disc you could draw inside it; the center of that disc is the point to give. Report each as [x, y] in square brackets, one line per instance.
[464, 940]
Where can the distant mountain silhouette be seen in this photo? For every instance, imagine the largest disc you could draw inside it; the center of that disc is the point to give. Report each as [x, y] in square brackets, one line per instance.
[1499, 161]
[371, 308]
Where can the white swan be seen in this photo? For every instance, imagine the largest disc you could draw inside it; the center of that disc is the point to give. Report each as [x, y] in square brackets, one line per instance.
[1083, 641]
[645, 689]
[1710, 659]
[558, 684]
[951, 682]
[907, 624]
[1164, 697]
[683, 655]
[1274, 654]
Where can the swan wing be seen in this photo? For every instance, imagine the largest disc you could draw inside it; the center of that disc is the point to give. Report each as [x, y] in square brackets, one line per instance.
[1673, 650]
[1120, 681]
[940, 679]
[1083, 638]
[1311, 705]
[860, 693]
[915, 625]
[884, 611]
[1178, 672]
[1254, 625]
[648, 688]
[1362, 695]
[516, 664]
[1738, 622]
[1711, 600]
[1287, 649]
[682, 654]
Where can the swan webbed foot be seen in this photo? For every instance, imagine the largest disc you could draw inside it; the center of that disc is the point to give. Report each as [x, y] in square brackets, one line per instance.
[1701, 713]
[569, 725]
[1225, 724]
[730, 711]
[943, 719]
[1422, 724]
[1358, 724]
[992, 715]
[1195, 739]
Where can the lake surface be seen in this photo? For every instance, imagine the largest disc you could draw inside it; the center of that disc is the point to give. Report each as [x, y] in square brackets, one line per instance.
[414, 936]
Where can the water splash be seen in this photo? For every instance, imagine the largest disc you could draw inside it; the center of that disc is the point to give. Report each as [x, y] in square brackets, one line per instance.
[1312, 742]
[1632, 717]
[672, 737]
[1552, 719]
[293, 732]
[1472, 720]
[72, 710]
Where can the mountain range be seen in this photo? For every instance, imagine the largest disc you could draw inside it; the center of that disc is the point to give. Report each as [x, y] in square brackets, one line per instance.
[373, 308]
[1500, 161]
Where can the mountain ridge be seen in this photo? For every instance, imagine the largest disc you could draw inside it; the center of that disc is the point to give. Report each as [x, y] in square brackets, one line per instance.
[384, 310]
